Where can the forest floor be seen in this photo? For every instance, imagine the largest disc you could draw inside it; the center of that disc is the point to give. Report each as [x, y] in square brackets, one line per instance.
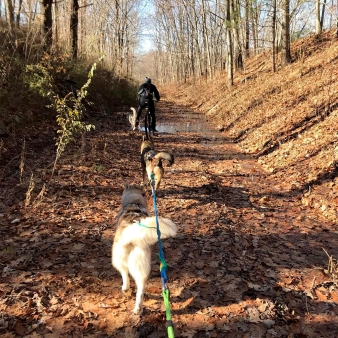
[251, 259]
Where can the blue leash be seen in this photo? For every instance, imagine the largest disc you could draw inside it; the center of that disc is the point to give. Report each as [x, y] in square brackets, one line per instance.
[163, 267]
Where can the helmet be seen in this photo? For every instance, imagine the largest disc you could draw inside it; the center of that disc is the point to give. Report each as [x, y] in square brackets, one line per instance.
[148, 80]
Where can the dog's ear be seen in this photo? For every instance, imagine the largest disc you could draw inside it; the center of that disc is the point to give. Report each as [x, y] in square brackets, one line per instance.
[126, 185]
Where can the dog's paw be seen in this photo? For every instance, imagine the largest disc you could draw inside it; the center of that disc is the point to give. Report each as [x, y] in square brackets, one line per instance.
[125, 287]
[137, 310]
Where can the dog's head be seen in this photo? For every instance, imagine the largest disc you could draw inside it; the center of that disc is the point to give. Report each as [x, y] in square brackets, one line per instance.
[134, 194]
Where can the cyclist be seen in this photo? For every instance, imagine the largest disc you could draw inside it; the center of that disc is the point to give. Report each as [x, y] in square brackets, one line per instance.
[147, 101]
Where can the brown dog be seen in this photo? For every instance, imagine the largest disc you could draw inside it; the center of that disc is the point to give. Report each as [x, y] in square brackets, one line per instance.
[151, 162]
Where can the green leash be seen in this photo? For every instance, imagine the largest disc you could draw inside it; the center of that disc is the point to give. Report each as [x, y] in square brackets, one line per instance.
[163, 268]
[170, 326]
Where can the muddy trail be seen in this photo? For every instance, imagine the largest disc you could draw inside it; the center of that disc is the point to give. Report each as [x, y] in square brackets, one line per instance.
[248, 260]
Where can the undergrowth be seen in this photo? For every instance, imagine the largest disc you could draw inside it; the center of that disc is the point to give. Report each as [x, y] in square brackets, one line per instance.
[25, 84]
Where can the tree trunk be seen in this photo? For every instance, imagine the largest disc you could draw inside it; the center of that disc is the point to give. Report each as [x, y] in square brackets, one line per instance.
[47, 23]
[237, 48]
[322, 15]
[56, 22]
[206, 41]
[254, 20]
[274, 15]
[10, 20]
[19, 13]
[247, 29]
[229, 47]
[318, 26]
[286, 53]
[74, 26]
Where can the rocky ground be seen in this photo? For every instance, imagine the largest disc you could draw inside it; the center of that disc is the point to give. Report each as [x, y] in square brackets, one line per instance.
[251, 259]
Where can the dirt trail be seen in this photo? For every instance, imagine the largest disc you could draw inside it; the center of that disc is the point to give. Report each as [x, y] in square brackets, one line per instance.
[248, 260]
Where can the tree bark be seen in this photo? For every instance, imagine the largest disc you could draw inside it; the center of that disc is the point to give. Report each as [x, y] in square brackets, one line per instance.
[47, 24]
[274, 16]
[322, 15]
[229, 46]
[74, 27]
[254, 20]
[247, 29]
[19, 13]
[318, 25]
[10, 21]
[237, 47]
[286, 52]
[206, 41]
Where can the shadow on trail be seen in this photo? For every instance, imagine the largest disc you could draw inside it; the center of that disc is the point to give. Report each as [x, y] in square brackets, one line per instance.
[210, 192]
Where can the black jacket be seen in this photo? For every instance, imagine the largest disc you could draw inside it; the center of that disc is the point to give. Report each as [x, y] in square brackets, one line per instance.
[153, 89]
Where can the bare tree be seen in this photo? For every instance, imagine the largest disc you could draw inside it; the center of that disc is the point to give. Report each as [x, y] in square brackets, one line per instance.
[247, 29]
[274, 23]
[10, 20]
[255, 25]
[322, 15]
[74, 26]
[318, 23]
[47, 23]
[286, 52]
[229, 46]
[18, 14]
[236, 27]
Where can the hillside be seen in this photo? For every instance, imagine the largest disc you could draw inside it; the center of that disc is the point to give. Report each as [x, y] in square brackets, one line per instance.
[287, 119]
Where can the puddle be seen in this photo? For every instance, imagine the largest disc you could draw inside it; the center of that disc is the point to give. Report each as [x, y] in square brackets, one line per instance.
[188, 123]
[210, 137]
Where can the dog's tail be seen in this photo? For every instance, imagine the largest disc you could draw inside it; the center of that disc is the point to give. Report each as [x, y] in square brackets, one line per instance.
[134, 112]
[162, 155]
[145, 233]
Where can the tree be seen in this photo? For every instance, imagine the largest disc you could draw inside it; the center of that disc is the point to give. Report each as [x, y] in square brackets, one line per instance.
[230, 71]
[247, 29]
[74, 26]
[237, 45]
[47, 23]
[206, 35]
[18, 13]
[285, 42]
[274, 23]
[10, 20]
[320, 17]
[318, 23]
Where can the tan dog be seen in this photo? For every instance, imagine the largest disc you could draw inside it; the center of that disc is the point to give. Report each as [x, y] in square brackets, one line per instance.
[151, 161]
[135, 234]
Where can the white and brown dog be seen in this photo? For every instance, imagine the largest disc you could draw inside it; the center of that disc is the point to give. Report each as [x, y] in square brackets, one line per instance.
[135, 234]
[151, 162]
